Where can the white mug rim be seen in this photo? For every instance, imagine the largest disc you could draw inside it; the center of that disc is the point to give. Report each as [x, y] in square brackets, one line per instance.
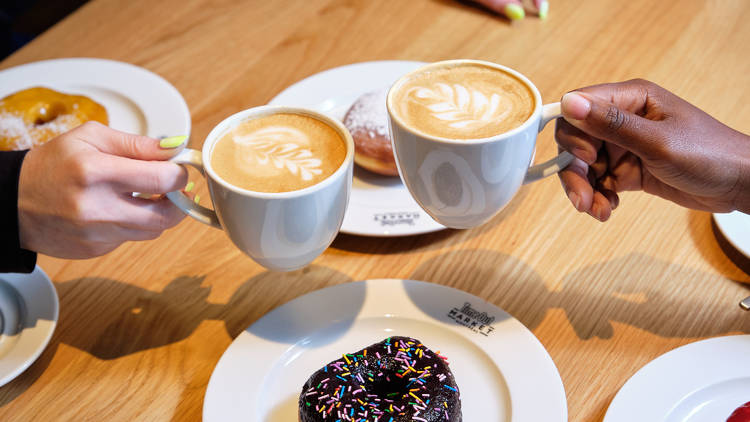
[267, 110]
[456, 62]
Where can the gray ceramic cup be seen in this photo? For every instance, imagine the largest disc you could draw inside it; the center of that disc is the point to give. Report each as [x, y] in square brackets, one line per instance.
[463, 183]
[280, 231]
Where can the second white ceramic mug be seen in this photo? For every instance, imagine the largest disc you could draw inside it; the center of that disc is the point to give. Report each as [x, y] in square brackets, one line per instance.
[281, 231]
[463, 183]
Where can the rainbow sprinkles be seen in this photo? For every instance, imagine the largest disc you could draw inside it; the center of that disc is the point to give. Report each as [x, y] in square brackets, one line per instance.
[396, 380]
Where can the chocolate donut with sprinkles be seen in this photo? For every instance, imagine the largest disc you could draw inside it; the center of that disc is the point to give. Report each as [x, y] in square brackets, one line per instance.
[396, 380]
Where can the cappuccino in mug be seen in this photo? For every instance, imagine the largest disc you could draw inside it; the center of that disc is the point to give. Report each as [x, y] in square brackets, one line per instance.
[464, 133]
[278, 153]
[279, 178]
[462, 101]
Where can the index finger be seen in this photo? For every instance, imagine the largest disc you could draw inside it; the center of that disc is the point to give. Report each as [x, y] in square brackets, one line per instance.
[155, 177]
[123, 144]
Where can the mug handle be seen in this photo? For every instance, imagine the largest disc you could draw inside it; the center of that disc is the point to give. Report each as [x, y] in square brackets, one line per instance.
[547, 168]
[205, 215]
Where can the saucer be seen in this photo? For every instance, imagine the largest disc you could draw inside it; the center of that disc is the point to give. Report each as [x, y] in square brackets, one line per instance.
[702, 381]
[137, 100]
[28, 316]
[502, 371]
[379, 205]
[734, 237]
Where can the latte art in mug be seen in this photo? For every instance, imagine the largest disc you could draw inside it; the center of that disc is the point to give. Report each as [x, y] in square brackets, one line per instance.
[467, 101]
[279, 149]
[278, 153]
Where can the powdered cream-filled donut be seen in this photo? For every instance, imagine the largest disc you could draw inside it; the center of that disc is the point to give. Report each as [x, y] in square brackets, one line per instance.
[367, 121]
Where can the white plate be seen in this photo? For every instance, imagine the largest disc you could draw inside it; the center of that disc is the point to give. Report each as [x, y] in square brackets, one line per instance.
[379, 205]
[702, 381]
[503, 372]
[28, 315]
[137, 100]
[735, 226]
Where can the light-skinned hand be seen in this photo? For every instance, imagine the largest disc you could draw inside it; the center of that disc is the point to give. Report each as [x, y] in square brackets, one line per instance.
[636, 135]
[75, 191]
[514, 9]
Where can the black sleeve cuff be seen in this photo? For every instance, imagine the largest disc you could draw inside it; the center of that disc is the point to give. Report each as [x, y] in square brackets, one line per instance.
[12, 257]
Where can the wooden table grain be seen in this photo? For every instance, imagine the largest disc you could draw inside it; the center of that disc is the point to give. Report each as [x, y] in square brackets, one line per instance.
[141, 328]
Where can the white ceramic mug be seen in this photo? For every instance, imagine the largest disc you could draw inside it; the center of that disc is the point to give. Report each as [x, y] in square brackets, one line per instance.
[463, 183]
[281, 231]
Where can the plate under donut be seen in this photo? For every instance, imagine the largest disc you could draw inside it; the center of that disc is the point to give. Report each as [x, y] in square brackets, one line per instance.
[502, 370]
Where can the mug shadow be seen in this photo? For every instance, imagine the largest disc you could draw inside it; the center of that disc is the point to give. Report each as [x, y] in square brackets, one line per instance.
[639, 292]
[424, 242]
[126, 319]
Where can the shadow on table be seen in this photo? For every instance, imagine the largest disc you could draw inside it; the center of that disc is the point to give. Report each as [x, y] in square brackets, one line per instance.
[110, 319]
[637, 290]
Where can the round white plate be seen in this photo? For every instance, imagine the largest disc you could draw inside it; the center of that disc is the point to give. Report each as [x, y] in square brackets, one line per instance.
[735, 226]
[137, 100]
[702, 381]
[28, 315]
[503, 372]
[379, 205]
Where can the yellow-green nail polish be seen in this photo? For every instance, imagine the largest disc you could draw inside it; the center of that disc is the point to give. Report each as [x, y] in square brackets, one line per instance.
[197, 199]
[543, 10]
[189, 187]
[514, 12]
[172, 141]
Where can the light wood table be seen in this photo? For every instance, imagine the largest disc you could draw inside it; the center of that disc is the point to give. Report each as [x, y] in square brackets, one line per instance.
[141, 329]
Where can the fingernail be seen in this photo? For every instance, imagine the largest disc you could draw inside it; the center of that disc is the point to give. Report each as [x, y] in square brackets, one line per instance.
[172, 141]
[598, 214]
[614, 202]
[543, 10]
[514, 12]
[574, 199]
[575, 106]
[197, 199]
[189, 187]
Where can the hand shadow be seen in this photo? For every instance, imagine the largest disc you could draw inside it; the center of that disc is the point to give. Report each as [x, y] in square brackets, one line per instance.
[640, 291]
[110, 319]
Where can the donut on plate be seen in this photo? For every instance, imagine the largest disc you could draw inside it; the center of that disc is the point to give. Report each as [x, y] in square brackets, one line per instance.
[367, 121]
[36, 115]
[396, 380]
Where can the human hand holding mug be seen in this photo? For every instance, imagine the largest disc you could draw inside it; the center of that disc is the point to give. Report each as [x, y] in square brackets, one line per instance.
[279, 178]
[463, 134]
[75, 192]
[636, 135]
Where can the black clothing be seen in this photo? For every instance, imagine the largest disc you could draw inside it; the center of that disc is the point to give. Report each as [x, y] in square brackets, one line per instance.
[12, 257]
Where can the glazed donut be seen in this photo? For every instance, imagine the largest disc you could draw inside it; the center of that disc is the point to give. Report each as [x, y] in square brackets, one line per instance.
[36, 115]
[398, 380]
[367, 120]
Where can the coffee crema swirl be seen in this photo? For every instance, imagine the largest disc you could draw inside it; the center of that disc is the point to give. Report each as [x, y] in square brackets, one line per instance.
[278, 153]
[467, 101]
